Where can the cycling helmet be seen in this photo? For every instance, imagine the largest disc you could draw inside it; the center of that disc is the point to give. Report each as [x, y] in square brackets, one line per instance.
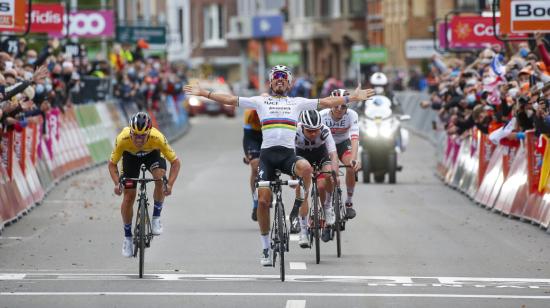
[140, 123]
[339, 92]
[280, 68]
[378, 79]
[311, 119]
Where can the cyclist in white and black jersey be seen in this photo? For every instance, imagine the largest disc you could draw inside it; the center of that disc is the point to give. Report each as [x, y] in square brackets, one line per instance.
[344, 125]
[279, 116]
[314, 142]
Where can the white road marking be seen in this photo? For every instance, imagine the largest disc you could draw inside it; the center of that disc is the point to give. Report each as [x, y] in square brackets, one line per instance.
[294, 237]
[368, 281]
[297, 265]
[420, 295]
[295, 304]
[12, 277]
[11, 237]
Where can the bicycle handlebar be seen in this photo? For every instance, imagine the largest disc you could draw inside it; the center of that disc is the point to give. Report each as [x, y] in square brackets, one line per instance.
[270, 183]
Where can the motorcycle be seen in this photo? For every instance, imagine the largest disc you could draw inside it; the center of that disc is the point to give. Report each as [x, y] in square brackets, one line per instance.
[381, 139]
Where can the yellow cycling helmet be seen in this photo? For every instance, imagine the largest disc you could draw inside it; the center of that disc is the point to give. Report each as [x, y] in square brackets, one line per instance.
[140, 123]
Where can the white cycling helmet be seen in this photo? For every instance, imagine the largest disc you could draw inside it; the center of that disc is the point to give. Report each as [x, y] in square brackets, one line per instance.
[311, 119]
[378, 79]
[280, 68]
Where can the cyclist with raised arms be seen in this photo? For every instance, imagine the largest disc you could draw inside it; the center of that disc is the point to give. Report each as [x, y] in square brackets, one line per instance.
[141, 143]
[314, 142]
[279, 116]
[343, 123]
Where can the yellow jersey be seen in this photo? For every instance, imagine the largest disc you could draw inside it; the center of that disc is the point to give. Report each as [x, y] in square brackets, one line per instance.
[251, 120]
[155, 141]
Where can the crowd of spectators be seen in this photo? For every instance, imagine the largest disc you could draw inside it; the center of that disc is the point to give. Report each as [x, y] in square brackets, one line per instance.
[144, 81]
[505, 88]
[33, 81]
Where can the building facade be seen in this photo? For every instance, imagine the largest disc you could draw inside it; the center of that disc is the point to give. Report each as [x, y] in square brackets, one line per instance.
[324, 33]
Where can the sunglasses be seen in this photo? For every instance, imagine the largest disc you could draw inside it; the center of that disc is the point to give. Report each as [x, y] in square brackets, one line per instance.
[140, 137]
[311, 131]
[279, 75]
[341, 107]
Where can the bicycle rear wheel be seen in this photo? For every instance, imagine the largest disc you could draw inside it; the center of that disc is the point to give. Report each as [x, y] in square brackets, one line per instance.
[337, 203]
[282, 240]
[141, 241]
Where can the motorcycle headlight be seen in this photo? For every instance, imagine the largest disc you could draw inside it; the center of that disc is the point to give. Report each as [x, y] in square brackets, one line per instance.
[372, 131]
[386, 130]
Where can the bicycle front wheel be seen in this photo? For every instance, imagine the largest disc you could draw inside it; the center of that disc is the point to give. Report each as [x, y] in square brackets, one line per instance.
[141, 241]
[316, 223]
[337, 203]
[282, 239]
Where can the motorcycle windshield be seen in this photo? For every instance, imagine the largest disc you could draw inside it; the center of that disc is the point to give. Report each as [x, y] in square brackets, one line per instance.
[378, 107]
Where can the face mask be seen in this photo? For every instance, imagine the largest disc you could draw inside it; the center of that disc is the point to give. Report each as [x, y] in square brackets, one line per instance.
[523, 52]
[378, 90]
[31, 61]
[151, 87]
[28, 75]
[529, 113]
[48, 87]
[471, 98]
[156, 65]
[513, 92]
[131, 71]
[39, 88]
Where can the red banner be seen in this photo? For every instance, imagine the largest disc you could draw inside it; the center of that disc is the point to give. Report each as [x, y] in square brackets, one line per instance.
[47, 18]
[7, 153]
[534, 161]
[486, 149]
[19, 144]
[474, 32]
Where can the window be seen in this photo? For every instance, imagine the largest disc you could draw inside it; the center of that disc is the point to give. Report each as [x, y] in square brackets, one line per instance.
[357, 8]
[180, 24]
[310, 8]
[214, 25]
[468, 4]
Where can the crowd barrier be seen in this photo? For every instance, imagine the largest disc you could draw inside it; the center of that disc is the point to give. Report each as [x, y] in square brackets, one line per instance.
[511, 178]
[37, 157]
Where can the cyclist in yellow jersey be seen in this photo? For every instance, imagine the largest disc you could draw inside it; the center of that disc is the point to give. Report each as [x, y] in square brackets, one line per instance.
[252, 142]
[138, 144]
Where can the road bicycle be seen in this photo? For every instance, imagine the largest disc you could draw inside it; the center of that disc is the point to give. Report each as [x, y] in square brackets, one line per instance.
[279, 232]
[143, 233]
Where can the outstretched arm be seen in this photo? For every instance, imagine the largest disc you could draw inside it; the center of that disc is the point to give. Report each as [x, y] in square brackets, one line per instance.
[222, 98]
[357, 96]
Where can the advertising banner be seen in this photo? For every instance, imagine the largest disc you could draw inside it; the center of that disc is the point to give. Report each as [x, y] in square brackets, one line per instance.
[525, 16]
[12, 15]
[7, 152]
[474, 32]
[19, 144]
[46, 18]
[89, 23]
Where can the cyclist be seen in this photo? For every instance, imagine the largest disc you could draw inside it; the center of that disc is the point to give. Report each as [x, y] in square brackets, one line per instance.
[343, 123]
[314, 142]
[137, 144]
[252, 141]
[279, 115]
